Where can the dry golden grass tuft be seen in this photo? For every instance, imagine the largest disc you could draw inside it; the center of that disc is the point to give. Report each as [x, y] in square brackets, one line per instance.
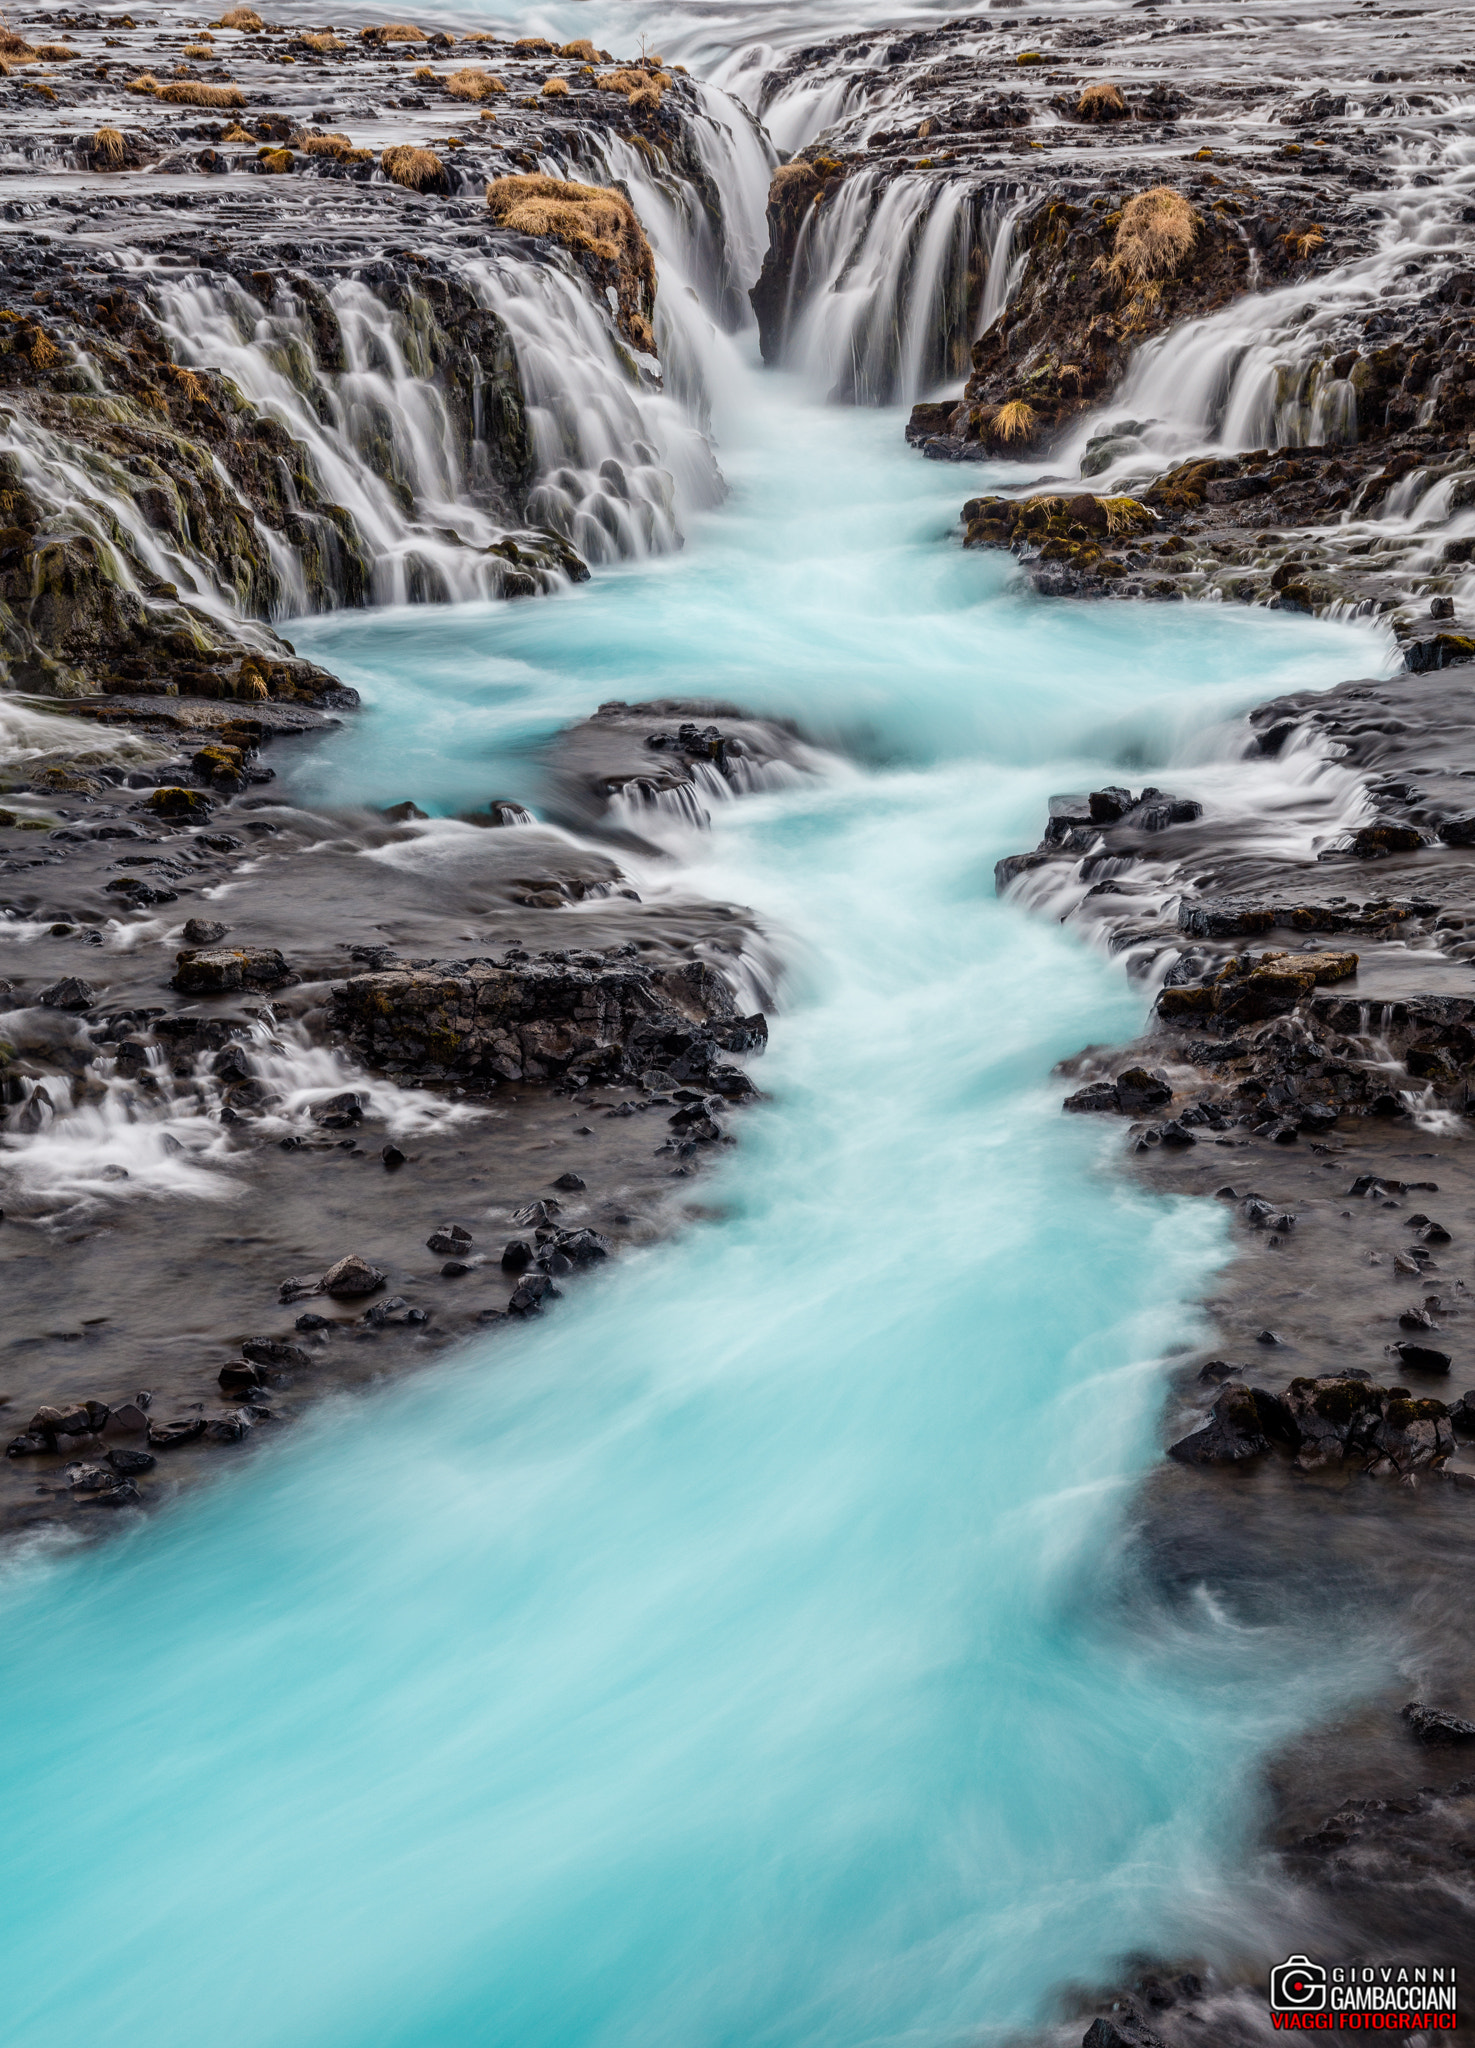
[55, 53]
[1014, 421]
[472, 83]
[108, 148]
[642, 89]
[236, 133]
[535, 46]
[789, 175]
[145, 82]
[555, 88]
[420, 170]
[487, 114]
[199, 51]
[1307, 243]
[1101, 103]
[425, 74]
[189, 92]
[323, 145]
[245, 18]
[479, 35]
[393, 32]
[592, 218]
[322, 39]
[583, 48]
[13, 45]
[1155, 235]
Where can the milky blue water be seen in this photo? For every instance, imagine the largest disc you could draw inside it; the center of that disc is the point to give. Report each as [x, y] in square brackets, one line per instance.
[753, 1652]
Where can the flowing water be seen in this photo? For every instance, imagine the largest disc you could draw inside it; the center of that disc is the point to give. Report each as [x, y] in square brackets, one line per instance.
[755, 1651]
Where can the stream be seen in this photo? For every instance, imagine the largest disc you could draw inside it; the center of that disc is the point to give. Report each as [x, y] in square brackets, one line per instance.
[755, 1651]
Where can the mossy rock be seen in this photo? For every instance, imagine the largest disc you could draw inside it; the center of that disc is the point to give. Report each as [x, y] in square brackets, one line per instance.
[173, 803]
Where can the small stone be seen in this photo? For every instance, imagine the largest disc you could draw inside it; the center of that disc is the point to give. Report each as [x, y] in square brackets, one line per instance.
[351, 1275]
[517, 1256]
[226, 1429]
[570, 1183]
[238, 1377]
[1266, 1337]
[203, 931]
[276, 1351]
[311, 1322]
[130, 1463]
[1423, 1358]
[392, 1157]
[450, 1240]
[168, 1436]
[455, 1269]
[127, 1420]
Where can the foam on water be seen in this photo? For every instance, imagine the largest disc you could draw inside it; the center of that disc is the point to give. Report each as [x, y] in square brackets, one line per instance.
[753, 1652]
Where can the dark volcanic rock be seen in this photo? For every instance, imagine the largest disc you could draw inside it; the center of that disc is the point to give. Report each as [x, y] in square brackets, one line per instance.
[221, 970]
[538, 1021]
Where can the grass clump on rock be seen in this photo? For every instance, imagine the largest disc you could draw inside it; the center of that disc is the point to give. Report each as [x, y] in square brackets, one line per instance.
[473, 83]
[1101, 102]
[244, 18]
[393, 32]
[1014, 421]
[189, 92]
[108, 148]
[582, 48]
[1154, 237]
[593, 220]
[555, 88]
[420, 170]
[322, 39]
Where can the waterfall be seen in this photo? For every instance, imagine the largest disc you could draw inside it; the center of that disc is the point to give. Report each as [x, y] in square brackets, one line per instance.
[891, 281]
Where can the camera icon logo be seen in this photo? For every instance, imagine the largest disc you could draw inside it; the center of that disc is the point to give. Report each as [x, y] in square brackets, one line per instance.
[1298, 1985]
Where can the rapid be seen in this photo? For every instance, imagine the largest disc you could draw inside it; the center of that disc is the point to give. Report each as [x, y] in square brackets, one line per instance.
[758, 1650]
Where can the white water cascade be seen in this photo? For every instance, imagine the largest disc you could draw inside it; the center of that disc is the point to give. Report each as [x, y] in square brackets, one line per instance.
[891, 282]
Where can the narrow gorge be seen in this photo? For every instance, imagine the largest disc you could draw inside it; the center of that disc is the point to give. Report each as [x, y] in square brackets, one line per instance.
[736, 1022]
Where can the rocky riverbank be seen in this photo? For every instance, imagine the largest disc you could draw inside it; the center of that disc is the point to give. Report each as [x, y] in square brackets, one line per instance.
[1307, 1067]
[382, 1098]
[294, 321]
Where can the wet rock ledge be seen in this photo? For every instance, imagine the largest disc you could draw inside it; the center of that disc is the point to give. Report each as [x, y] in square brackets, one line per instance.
[271, 1127]
[1307, 1067]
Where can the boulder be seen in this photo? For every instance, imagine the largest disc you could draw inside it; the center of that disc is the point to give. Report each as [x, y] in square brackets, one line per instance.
[220, 970]
[1241, 1424]
[1140, 1090]
[531, 1293]
[203, 931]
[67, 994]
[1332, 1418]
[536, 1021]
[1432, 1725]
[1412, 1434]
